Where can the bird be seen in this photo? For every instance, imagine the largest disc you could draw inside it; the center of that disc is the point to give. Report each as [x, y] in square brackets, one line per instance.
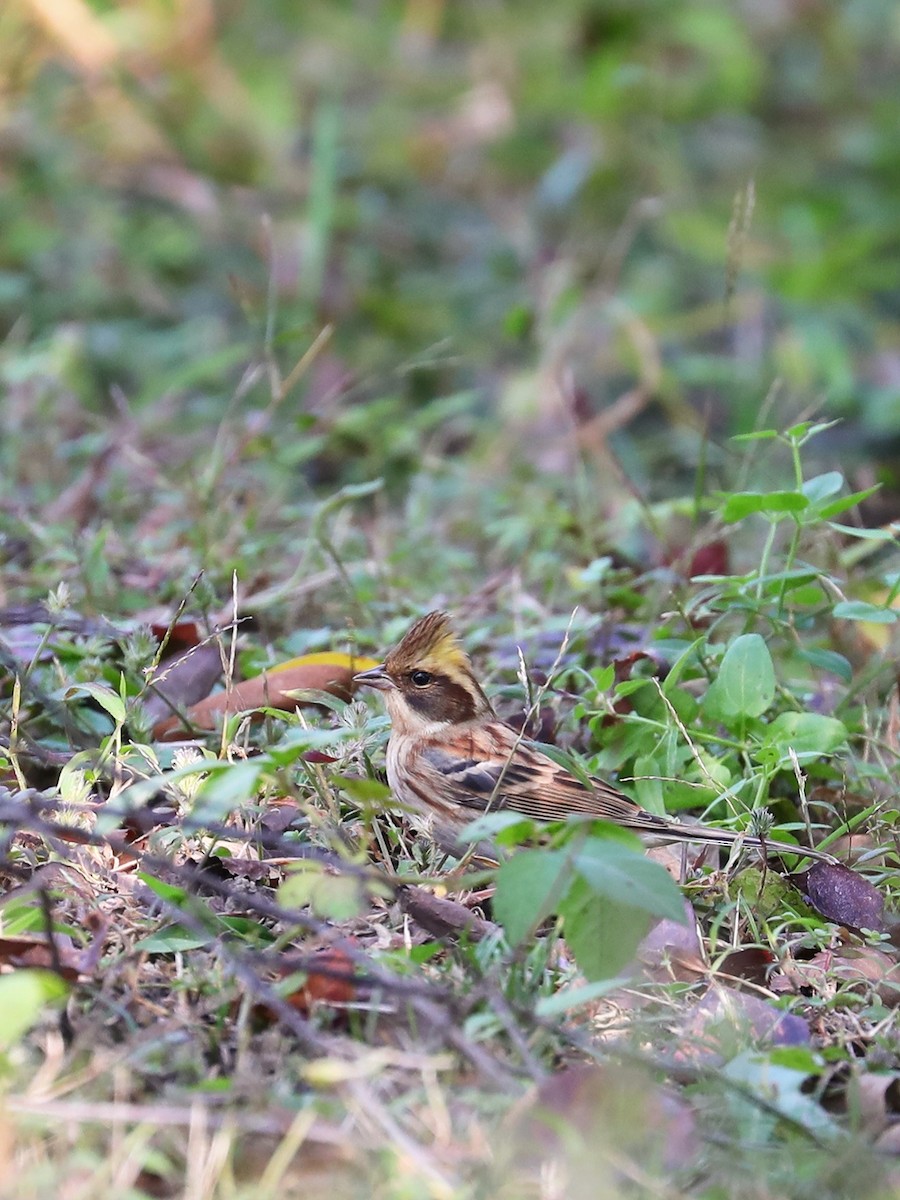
[451, 758]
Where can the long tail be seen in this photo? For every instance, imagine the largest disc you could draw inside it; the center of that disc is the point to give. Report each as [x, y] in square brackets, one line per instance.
[645, 822]
[608, 802]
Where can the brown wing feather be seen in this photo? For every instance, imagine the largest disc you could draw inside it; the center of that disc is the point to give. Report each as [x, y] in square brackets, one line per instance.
[537, 787]
[529, 782]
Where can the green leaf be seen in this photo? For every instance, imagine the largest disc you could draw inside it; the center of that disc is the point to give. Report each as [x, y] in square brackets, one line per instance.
[530, 887]
[24, 995]
[829, 660]
[784, 1089]
[786, 580]
[628, 687]
[820, 487]
[571, 997]
[689, 655]
[601, 932]
[859, 610]
[745, 683]
[760, 435]
[176, 896]
[491, 825]
[335, 897]
[805, 430]
[229, 786]
[627, 876]
[827, 511]
[108, 700]
[604, 678]
[866, 535]
[369, 794]
[20, 914]
[741, 504]
[808, 734]
[137, 794]
[297, 741]
[648, 790]
[173, 940]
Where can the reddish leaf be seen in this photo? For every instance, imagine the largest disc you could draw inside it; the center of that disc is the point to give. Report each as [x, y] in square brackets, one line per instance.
[751, 963]
[182, 635]
[329, 980]
[711, 559]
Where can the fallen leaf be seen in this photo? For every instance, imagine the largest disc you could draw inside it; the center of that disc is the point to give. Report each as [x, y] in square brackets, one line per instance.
[753, 964]
[441, 917]
[862, 968]
[274, 688]
[717, 1026]
[672, 951]
[871, 1099]
[841, 895]
[62, 957]
[182, 635]
[182, 681]
[711, 559]
[328, 979]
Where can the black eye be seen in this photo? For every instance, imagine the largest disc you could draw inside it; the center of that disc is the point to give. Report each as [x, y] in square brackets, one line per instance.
[421, 678]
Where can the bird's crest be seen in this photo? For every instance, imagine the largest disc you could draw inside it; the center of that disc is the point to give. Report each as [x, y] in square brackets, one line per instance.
[431, 644]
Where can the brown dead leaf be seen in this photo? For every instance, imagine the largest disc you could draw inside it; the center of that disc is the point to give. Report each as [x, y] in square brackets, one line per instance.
[182, 681]
[328, 980]
[63, 956]
[280, 814]
[672, 951]
[751, 963]
[869, 1099]
[840, 894]
[862, 968]
[274, 688]
[718, 1025]
[442, 917]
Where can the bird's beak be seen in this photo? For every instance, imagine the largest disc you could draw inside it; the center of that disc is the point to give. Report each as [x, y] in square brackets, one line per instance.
[376, 677]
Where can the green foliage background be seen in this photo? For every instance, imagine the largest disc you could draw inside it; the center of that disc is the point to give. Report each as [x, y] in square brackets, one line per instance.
[487, 201]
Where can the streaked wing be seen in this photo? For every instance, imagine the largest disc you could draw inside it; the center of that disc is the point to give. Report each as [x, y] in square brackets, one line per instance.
[488, 768]
[530, 783]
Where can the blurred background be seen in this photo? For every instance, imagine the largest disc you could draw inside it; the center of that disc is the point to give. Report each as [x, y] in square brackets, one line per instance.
[254, 253]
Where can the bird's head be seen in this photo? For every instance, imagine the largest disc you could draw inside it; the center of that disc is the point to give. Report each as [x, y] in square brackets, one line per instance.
[427, 679]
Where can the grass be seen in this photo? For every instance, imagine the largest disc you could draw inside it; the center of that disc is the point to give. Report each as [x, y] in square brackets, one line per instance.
[578, 324]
